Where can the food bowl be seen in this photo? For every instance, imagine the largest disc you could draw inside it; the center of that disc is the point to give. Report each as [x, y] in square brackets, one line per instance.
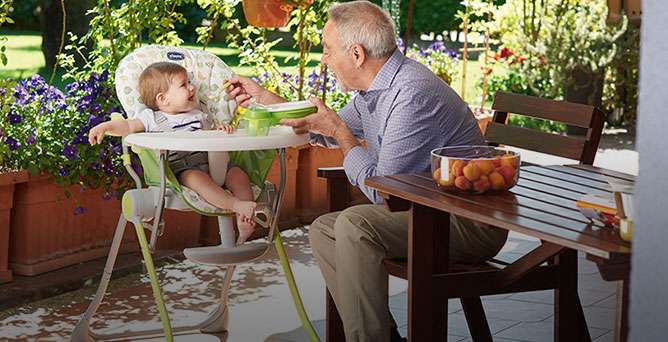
[259, 121]
[475, 169]
[290, 110]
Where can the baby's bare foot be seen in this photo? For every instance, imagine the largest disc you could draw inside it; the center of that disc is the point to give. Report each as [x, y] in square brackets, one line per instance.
[246, 228]
[244, 208]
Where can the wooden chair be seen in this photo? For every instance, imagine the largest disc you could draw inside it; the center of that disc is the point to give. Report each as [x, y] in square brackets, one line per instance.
[479, 280]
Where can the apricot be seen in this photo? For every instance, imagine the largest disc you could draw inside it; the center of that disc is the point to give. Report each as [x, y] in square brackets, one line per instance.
[445, 182]
[471, 172]
[497, 162]
[508, 173]
[497, 181]
[457, 168]
[509, 160]
[486, 166]
[482, 184]
[437, 174]
[462, 183]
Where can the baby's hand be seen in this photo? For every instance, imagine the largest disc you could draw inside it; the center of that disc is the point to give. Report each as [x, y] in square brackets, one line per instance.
[227, 128]
[96, 134]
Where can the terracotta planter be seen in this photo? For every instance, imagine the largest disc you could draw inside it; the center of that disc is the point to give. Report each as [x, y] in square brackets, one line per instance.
[46, 233]
[8, 182]
[267, 13]
[288, 219]
[182, 230]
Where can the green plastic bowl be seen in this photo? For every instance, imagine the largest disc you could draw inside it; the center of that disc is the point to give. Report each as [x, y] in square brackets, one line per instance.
[259, 121]
[291, 110]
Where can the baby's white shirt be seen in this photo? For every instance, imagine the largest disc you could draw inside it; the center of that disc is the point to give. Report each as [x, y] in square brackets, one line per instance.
[190, 121]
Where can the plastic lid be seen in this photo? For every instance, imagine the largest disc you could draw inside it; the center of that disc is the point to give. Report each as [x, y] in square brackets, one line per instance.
[257, 113]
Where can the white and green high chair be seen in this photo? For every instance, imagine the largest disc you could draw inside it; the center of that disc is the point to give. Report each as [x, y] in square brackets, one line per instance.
[142, 205]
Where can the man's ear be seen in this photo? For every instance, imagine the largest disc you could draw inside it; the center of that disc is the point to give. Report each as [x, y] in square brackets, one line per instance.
[359, 55]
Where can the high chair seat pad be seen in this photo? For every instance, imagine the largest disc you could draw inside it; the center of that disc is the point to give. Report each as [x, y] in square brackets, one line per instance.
[206, 72]
[217, 255]
[279, 137]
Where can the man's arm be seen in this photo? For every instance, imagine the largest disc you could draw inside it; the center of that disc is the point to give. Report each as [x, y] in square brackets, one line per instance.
[412, 131]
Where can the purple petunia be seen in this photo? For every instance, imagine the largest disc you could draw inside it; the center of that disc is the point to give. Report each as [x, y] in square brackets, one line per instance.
[15, 119]
[32, 139]
[12, 143]
[63, 172]
[70, 152]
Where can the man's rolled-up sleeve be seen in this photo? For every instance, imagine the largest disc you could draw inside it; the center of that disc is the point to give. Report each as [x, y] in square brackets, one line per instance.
[409, 136]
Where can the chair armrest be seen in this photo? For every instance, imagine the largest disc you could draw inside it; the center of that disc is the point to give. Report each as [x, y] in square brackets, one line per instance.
[340, 193]
[332, 172]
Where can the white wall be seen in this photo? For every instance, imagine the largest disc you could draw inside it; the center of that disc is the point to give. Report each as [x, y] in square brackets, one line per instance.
[649, 276]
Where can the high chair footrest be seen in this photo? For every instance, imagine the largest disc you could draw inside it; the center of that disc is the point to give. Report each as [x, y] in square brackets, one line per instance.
[218, 255]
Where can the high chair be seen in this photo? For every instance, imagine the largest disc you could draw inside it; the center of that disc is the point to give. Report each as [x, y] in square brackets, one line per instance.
[143, 206]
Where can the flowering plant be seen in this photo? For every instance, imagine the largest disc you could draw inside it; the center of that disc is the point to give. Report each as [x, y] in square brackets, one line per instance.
[439, 59]
[313, 85]
[44, 130]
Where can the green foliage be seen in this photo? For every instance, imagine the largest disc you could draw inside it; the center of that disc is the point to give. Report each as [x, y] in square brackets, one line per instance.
[556, 37]
[5, 5]
[116, 31]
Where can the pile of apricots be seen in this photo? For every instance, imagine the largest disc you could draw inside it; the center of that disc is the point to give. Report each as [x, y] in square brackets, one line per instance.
[480, 175]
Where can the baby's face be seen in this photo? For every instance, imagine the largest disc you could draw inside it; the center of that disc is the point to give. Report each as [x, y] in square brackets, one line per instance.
[180, 97]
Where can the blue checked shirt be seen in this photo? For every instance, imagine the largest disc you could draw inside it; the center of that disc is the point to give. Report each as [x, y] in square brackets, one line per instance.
[406, 112]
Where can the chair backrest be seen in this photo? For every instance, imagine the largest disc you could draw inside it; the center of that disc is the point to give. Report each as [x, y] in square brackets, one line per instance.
[206, 72]
[582, 148]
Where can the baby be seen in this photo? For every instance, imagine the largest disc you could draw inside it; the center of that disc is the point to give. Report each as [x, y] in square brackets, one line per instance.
[165, 89]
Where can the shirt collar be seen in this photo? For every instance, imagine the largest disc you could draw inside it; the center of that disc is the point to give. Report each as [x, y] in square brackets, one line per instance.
[386, 75]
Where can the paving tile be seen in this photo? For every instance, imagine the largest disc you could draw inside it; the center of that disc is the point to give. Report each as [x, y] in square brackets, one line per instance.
[496, 339]
[517, 310]
[403, 331]
[587, 297]
[587, 267]
[600, 317]
[457, 324]
[539, 332]
[610, 302]
[609, 337]
[596, 283]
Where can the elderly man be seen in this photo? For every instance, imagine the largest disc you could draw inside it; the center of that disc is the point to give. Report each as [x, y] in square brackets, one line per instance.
[403, 111]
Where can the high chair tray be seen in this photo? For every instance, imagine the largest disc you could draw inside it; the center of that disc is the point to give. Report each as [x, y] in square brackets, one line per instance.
[278, 137]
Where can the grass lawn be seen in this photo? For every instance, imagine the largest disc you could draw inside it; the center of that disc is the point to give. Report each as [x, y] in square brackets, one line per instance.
[25, 58]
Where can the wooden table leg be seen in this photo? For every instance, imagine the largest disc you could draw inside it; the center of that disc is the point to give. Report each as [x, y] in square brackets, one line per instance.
[428, 248]
[622, 321]
[569, 320]
[333, 323]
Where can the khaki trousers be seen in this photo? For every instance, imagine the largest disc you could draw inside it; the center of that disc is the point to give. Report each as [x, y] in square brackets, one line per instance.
[350, 246]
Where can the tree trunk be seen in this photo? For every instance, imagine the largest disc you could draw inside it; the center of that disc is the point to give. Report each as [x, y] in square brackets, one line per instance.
[51, 22]
[586, 87]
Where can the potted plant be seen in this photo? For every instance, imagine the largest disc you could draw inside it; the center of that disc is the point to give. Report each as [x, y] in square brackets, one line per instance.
[67, 210]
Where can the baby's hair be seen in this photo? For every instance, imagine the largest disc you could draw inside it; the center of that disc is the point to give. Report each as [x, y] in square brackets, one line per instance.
[155, 79]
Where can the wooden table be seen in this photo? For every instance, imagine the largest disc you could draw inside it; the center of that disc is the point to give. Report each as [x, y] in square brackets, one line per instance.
[541, 205]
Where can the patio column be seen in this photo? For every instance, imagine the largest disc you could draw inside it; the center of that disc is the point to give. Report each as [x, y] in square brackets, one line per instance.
[649, 279]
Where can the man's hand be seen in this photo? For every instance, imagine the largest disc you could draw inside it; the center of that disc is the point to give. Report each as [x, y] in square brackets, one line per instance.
[325, 121]
[242, 89]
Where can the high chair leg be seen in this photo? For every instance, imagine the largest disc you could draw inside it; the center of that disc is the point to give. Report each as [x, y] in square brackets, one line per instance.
[82, 330]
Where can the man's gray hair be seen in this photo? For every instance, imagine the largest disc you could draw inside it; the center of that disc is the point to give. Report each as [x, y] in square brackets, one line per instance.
[364, 23]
